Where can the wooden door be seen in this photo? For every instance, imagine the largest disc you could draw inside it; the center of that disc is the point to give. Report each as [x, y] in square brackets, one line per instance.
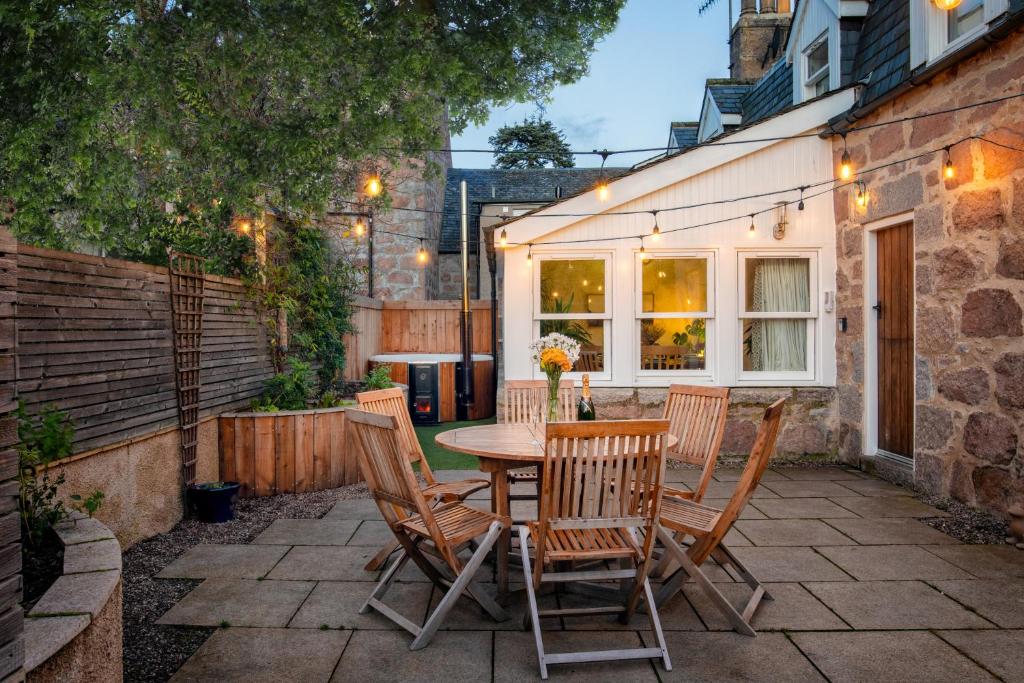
[895, 312]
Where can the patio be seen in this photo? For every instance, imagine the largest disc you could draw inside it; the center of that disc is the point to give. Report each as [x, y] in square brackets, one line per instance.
[864, 591]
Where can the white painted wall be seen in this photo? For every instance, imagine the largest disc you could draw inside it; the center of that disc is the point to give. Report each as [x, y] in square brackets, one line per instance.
[814, 18]
[768, 169]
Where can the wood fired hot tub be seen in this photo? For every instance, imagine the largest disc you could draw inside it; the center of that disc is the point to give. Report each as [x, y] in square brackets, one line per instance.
[483, 379]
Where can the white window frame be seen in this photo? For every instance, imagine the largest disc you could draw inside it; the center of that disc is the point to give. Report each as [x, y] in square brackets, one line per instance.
[824, 73]
[929, 30]
[606, 316]
[813, 316]
[710, 340]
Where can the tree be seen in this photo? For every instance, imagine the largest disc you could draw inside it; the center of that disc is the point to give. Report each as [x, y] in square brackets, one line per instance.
[534, 143]
[133, 125]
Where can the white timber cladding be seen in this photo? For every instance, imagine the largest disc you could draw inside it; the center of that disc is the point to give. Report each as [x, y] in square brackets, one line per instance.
[701, 175]
[929, 30]
[815, 19]
[711, 123]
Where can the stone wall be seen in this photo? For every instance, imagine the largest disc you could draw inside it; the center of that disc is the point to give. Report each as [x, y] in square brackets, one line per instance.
[809, 427]
[450, 276]
[969, 275]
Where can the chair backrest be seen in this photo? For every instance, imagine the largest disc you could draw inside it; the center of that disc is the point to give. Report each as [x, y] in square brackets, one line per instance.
[697, 416]
[526, 401]
[392, 402]
[655, 357]
[760, 453]
[602, 475]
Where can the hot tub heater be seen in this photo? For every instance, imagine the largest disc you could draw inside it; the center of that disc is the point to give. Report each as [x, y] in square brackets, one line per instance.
[424, 405]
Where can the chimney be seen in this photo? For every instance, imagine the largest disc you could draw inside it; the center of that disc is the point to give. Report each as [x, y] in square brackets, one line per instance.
[758, 37]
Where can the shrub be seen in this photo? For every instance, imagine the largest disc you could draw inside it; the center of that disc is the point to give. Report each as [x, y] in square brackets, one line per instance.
[287, 390]
[379, 378]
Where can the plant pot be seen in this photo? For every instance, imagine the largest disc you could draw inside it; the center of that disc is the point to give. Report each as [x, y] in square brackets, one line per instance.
[213, 502]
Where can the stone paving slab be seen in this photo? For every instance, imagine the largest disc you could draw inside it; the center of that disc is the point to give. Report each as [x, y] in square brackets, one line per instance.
[515, 657]
[1001, 652]
[877, 488]
[734, 474]
[239, 602]
[821, 474]
[271, 655]
[308, 532]
[725, 489]
[748, 512]
[786, 564]
[384, 656]
[800, 508]
[984, 561]
[336, 604]
[359, 508]
[92, 557]
[790, 532]
[209, 561]
[372, 532]
[873, 656]
[676, 615]
[793, 608]
[891, 531]
[77, 594]
[682, 475]
[325, 563]
[467, 615]
[1000, 601]
[895, 506]
[808, 489]
[894, 605]
[717, 657]
[891, 563]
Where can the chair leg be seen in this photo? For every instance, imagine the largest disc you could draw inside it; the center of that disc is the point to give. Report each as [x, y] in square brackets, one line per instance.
[461, 584]
[652, 615]
[382, 556]
[724, 556]
[740, 622]
[531, 598]
[661, 570]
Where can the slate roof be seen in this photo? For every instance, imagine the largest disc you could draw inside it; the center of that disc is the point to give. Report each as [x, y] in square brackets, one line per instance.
[683, 135]
[883, 51]
[728, 94]
[771, 94]
[496, 186]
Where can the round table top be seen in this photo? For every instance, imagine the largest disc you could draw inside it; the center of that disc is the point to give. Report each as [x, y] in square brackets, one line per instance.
[521, 442]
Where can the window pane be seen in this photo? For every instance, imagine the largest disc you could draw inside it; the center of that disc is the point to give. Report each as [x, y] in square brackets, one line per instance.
[672, 343]
[965, 17]
[590, 335]
[572, 286]
[817, 58]
[778, 285]
[674, 285]
[775, 345]
[821, 87]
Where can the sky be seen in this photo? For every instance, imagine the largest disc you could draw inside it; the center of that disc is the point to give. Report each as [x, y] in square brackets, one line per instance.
[648, 72]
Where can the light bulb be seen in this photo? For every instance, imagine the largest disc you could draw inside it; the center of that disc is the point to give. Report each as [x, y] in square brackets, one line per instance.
[603, 192]
[373, 185]
[504, 238]
[422, 255]
[862, 195]
[359, 228]
[244, 227]
[752, 230]
[845, 167]
[554, 295]
[529, 256]
[586, 282]
[947, 170]
[947, 5]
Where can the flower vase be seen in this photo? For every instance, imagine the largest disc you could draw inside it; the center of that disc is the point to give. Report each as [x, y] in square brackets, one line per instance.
[553, 381]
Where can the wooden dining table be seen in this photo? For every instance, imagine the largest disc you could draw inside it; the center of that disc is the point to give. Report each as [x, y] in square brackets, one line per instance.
[501, 447]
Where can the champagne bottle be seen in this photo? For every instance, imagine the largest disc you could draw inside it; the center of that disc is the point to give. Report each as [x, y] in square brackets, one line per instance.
[585, 406]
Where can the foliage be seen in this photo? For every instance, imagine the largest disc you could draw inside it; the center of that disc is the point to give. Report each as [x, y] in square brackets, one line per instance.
[332, 399]
[650, 332]
[534, 143]
[44, 440]
[573, 329]
[128, 126]
[287, 390]
[697, 331]
[379, 377]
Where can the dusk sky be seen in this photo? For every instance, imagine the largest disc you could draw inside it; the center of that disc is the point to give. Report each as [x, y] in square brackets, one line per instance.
[648, 72]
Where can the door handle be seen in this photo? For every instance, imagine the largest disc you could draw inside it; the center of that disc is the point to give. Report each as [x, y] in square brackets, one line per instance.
[878, 309]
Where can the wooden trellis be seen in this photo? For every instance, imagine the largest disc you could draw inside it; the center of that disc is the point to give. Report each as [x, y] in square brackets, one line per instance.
[187, 282]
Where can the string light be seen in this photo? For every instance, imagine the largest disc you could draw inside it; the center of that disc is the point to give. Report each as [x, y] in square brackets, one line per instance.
[421, 256]
[643, 252]
[359, 228]
[504, 238]
[373, 185]
[800, 206]
[603, 191]
[947, 170]
[845, 167]
[656, 232]
[862, 194]
[529, 254]
[947, 5]
[753, 230]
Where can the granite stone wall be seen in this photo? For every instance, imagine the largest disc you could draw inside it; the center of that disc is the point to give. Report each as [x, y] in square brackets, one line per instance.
[969, 276]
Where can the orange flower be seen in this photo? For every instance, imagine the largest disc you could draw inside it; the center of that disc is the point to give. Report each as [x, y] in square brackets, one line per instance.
[552, 358]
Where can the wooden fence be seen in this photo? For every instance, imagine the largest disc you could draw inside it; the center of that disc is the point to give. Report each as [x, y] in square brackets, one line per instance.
[432, 326]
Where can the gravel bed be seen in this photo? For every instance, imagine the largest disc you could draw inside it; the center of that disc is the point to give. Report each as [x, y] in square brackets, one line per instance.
[967, 524]
[152, 652]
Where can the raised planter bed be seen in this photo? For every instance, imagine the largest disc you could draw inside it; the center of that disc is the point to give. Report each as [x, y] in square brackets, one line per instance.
[74, 632]
[287, 452]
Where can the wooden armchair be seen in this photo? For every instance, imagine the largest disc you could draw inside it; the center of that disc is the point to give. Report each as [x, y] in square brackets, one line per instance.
[392, 402]
[697, 416]
[708, 526]
[443, 531]
[601, 483]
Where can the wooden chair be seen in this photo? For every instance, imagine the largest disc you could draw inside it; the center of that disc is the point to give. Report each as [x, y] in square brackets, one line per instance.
[526, 402]
[443, 531]
[697, 416]
[392, 402]
[708, 526]
[601, 483]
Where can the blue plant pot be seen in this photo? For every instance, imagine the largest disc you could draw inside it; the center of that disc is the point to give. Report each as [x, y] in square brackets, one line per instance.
[212, 503]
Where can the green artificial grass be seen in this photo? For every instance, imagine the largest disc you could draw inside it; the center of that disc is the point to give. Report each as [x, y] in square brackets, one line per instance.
[440, 458]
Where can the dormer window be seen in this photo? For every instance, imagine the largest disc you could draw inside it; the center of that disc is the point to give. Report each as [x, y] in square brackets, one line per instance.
[816, 80]
[936, 32]
[965, 18]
